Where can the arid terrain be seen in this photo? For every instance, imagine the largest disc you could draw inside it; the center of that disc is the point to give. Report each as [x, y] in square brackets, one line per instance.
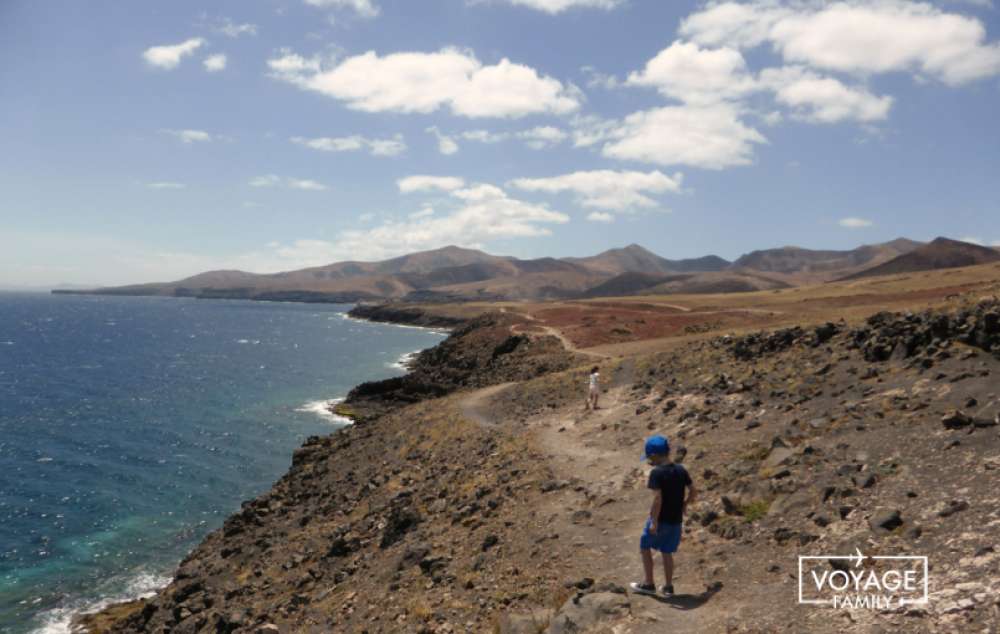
[477, 495]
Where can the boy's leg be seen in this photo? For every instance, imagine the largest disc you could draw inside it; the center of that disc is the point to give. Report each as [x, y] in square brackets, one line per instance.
[668, 568]
[647, 566]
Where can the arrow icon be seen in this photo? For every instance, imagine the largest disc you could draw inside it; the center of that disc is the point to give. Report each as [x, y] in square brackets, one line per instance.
[860, 557]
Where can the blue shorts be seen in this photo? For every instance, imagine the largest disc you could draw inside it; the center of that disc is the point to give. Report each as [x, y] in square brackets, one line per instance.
[666, 540]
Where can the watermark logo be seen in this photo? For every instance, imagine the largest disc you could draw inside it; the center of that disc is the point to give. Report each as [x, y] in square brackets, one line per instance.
[874, 582]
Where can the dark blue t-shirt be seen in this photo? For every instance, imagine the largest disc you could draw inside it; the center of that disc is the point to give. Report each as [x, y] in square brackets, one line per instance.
[671, 479]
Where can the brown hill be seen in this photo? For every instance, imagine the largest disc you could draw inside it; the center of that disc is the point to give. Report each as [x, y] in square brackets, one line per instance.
[715, 282]
[458, 274]
[798, 265]
[631, 283]
[941, 253]
[447, 274]
[636, 259]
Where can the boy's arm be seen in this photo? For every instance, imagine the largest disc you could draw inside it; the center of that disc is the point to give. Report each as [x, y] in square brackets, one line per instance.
[654, 511]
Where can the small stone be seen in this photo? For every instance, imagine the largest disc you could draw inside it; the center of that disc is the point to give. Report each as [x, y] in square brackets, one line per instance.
[582, 516]
[865, 481]
[955, 420]
[952, 507]
[886, 520]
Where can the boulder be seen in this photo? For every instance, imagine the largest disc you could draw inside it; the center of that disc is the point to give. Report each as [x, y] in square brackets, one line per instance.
[779, 456]
[885, 520]
[582, 612]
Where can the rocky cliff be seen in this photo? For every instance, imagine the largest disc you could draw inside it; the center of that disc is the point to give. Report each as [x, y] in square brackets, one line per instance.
[510, 509]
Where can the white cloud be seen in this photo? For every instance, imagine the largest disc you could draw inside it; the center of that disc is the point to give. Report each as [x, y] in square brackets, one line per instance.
[166, 185]
[590, 130]
[426, 212]
[376, 147]
[273, 180]
[423, 183]
[484, 136]
[711, 137]
[600, 216]
[268, 180]
[606, 189]
[542, 137]
[215, 63]
[446, 144]
[479, 213]
[306, 184]
[973, 240]
[190, 136]
[554, 7]
[597, 79]
[875, 36]
[387, 147]
[823, 99]
[996, 243]
[168, 57]
[695, 75]
[773, 118]
[364, 8]
[414, 82]
[855, 223]
[230, 29]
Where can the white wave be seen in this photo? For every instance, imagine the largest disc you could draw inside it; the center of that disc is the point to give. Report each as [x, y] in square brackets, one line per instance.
[323, 410]
[404, 361]
[60, 620]
[436, 331]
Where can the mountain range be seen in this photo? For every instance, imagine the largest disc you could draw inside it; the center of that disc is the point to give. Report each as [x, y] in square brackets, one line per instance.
[459, 274]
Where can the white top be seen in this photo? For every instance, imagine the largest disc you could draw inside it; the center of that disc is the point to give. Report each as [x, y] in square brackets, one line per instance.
[593, 380]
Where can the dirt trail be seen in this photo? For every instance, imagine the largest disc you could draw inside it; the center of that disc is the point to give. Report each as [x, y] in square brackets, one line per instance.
[555, 332]
[473, 406]
[570, 346]
[612, 481]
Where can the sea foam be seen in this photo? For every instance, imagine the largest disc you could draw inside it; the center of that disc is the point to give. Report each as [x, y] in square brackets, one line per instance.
[323, 409]
[60, 620]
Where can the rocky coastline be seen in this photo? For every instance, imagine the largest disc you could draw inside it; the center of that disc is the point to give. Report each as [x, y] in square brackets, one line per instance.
[479, 352]
[404, 316]
[474, 495]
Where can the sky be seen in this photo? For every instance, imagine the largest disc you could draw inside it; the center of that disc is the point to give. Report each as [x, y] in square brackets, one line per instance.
[151, 141]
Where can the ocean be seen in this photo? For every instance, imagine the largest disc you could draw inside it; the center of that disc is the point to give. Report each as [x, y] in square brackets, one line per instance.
[131, 427]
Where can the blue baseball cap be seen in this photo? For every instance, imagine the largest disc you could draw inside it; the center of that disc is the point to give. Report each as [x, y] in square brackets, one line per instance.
[656, 446]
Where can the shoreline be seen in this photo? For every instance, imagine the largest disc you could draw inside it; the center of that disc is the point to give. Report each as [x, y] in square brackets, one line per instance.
[369, 408]
[91, 615]
[405, 315]
[437, 495]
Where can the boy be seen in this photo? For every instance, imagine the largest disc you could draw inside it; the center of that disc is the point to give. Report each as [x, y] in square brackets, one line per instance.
[663, 528]
[594, 389]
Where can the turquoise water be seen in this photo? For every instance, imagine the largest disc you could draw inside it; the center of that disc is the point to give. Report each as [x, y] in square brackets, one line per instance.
[131, 427]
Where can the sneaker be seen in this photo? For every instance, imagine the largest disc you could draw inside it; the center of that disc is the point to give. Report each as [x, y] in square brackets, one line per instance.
[642, 588]
[667, 591]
